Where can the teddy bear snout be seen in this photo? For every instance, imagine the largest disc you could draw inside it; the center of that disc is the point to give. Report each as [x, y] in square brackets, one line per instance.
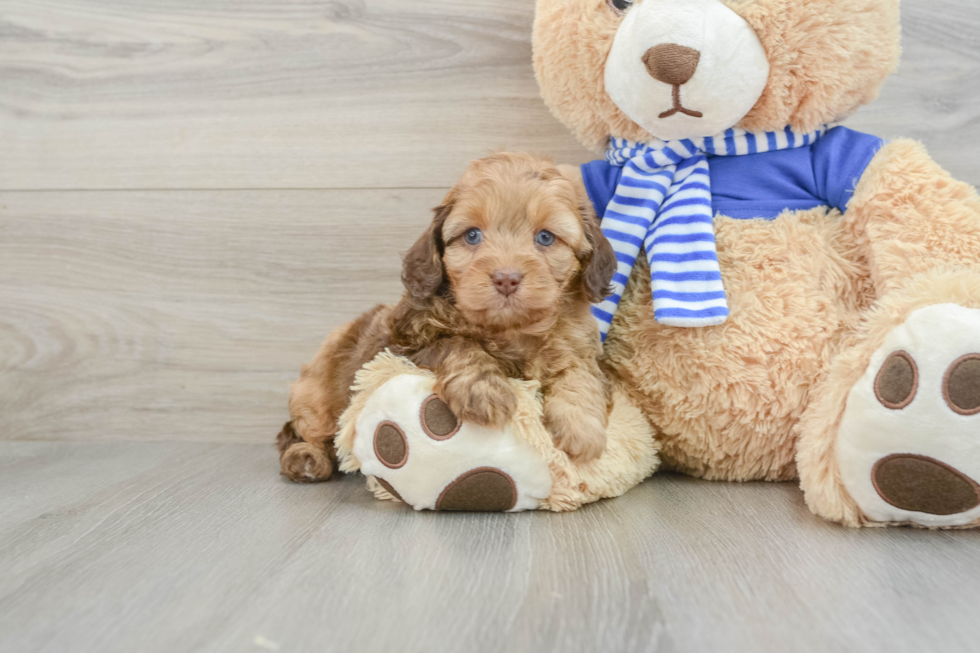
[671, 63]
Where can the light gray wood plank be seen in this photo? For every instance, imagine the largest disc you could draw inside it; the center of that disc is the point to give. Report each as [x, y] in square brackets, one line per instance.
[183, 316]
[348, 94]
[257, 94]
[935, 97]
[195, 547]
[157, 558]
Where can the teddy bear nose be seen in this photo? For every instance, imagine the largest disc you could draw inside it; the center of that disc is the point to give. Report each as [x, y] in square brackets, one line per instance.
[671, 63]
[507, 281]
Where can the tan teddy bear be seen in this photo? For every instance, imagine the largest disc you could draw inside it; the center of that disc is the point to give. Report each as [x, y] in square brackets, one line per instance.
[805, 300]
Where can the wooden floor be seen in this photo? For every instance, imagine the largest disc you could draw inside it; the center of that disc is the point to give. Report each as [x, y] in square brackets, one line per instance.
[192, 194]
[200, 547]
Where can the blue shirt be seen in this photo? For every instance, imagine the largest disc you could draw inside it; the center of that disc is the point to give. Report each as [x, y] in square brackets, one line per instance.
[823, 174]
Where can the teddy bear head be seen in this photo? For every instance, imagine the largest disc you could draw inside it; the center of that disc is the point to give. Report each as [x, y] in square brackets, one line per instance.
[675, 69]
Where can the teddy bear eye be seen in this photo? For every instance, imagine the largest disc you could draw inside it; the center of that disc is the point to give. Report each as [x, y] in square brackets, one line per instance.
[545, 238]
[473, 236]
[620, 6]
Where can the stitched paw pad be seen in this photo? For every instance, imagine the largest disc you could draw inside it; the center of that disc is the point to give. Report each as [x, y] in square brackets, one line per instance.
[909, 442]
[422, 454]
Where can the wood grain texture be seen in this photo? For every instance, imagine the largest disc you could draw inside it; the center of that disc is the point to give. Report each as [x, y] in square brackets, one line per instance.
[935, 97]
[150, 336]
[201, 547]
[117, 94]
[176, 316]
[258, 94]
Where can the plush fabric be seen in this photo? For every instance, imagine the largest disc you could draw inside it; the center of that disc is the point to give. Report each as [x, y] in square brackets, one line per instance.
[696, 62]
[826, 59]
[474, 468]
[926, 429]
[851, 268]
[921, 426]
[852, 271]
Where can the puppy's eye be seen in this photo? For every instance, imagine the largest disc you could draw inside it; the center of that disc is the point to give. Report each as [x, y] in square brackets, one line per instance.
[473, 237]
[545, 238]
[620, 6]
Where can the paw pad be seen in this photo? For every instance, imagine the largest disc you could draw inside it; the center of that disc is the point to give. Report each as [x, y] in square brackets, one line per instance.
[898, 381]
[391, 445]
[961, 385]
[438, 421]
[480, 490]
[923, 484]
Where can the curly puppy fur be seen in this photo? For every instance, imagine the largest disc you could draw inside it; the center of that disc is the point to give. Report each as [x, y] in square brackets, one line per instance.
[473, 332]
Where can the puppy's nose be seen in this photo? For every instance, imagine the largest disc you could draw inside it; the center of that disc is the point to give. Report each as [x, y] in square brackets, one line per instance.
[671, 63]
[507, 281]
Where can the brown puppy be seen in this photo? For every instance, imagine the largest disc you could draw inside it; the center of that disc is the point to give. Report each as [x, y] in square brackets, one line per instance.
[499, 286]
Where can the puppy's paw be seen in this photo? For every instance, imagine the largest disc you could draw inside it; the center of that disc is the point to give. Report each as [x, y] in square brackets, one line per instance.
[306, 463]
[485, 400]
[577, 432]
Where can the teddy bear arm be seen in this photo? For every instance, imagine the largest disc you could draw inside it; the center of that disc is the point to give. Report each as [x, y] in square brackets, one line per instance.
[571, 172]
[913, 216]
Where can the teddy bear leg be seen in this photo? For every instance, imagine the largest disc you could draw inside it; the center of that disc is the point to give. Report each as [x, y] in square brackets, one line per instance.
[891, 435]
[414, 449]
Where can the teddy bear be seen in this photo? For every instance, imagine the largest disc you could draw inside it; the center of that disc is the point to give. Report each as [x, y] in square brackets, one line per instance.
[795, 301]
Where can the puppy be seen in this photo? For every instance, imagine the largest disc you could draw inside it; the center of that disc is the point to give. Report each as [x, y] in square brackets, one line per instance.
[499, 286]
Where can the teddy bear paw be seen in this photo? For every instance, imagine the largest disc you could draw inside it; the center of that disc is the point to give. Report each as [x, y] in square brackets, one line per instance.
[909, 441]
[422, 454]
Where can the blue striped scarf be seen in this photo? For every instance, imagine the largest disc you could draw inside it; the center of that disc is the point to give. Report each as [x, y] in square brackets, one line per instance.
[663, 204]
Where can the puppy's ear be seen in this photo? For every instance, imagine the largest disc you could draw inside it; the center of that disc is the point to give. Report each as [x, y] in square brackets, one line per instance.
[422, 272]
[600, 266]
